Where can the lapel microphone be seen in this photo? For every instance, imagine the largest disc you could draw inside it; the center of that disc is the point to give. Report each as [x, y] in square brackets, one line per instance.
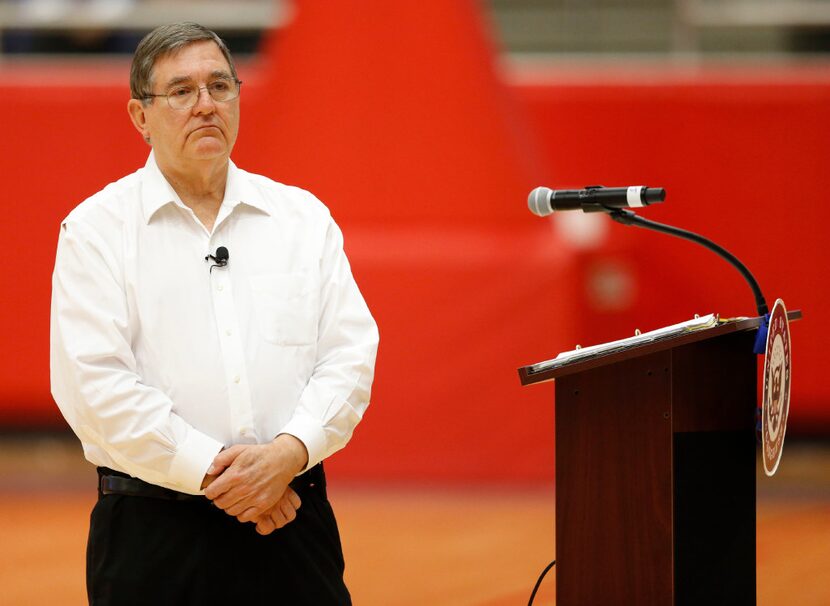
[220, 259]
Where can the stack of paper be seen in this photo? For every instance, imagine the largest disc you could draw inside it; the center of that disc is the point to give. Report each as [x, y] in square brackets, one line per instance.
[569, 357]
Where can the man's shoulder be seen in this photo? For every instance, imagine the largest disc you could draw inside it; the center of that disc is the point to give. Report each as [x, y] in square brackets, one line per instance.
[282, 198]
[113, 204]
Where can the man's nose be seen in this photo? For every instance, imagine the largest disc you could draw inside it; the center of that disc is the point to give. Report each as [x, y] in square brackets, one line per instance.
[204, 102]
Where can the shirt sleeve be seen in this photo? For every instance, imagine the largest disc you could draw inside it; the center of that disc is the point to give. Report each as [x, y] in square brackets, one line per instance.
[337, 394]
[94, 375]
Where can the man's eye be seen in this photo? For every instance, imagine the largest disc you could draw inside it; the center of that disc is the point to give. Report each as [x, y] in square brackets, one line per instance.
[182, 91]
[219, 86]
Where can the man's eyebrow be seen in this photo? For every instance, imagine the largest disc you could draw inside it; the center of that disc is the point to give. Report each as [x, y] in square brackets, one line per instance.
[178, 80]
[217, 73]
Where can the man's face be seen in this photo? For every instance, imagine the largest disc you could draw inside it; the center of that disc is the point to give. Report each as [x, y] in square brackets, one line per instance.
[206, 131]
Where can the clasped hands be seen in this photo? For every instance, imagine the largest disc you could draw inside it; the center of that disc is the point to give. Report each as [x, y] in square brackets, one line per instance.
[250, 482]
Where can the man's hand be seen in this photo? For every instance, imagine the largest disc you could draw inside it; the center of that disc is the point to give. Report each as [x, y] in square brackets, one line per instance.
[254, 478]
[282, 513]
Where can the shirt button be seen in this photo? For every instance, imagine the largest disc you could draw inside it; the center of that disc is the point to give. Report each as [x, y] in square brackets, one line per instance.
[246, 431]
[220, 287]
[236, 379]
[229, 332]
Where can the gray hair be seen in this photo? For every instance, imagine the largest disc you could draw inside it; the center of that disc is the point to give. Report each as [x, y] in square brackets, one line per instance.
[163, 41]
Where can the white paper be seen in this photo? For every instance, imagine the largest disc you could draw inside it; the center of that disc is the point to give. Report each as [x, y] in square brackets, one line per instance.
[568, 357]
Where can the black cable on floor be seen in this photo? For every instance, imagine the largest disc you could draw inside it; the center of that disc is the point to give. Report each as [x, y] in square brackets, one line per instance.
[539, 582]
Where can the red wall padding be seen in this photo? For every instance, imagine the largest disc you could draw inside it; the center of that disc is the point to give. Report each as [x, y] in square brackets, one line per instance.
[425, 159]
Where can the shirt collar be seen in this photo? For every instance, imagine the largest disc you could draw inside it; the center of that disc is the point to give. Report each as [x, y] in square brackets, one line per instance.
[240, 190]
[156, 192]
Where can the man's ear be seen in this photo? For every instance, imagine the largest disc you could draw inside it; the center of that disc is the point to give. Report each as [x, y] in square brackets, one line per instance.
[138, 117]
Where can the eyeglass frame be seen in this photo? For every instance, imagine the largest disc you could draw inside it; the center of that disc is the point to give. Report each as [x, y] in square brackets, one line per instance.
[199, 94]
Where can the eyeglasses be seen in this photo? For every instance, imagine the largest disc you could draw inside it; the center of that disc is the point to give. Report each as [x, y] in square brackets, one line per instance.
[186, 96]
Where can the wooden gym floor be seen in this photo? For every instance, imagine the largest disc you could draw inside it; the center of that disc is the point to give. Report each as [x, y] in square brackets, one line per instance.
[404, 545]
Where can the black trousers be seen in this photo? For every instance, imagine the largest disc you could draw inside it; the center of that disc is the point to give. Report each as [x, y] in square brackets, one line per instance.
[149, 551]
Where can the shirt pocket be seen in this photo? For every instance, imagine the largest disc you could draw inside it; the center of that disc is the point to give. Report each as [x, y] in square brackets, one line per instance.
[286, 306]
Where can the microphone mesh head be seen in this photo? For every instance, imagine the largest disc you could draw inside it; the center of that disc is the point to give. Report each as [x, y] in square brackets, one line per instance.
[222, 254]
[538, 201]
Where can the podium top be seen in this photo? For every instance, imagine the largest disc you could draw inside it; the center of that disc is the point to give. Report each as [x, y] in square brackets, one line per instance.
[528, 375]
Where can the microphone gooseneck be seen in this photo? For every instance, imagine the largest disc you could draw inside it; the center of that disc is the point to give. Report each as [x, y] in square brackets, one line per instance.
[626, 217]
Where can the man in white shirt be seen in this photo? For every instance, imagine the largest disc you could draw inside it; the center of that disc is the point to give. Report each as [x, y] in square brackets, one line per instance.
[210, 348]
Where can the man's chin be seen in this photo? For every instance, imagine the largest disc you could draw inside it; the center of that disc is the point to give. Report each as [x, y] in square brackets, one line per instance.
[206, 149]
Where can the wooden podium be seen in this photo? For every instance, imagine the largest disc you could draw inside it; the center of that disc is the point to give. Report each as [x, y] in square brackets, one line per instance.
[655, 471]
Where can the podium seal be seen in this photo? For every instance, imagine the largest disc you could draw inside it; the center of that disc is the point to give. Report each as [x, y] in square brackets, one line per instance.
[776, 402]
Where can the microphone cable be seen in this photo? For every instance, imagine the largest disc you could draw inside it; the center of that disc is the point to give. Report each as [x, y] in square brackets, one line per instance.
[539, 582]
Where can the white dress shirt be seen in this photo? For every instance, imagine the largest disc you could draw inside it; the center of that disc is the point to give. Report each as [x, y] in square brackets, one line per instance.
[158, 361]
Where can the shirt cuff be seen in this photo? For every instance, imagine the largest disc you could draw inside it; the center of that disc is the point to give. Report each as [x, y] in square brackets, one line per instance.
[310, 432]
[191, 462]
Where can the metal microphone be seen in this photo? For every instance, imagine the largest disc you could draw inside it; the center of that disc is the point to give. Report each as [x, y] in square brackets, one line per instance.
[543, 201]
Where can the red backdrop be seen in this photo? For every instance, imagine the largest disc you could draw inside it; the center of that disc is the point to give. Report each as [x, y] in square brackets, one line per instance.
[425, 158]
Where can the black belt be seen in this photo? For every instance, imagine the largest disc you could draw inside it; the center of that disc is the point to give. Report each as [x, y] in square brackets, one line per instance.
[116, 482]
